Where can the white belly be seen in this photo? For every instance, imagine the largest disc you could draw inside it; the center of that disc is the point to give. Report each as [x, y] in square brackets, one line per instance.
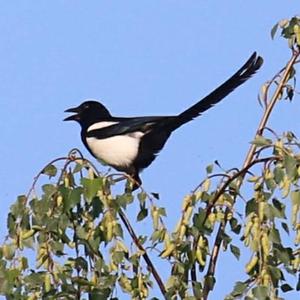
[118, 151]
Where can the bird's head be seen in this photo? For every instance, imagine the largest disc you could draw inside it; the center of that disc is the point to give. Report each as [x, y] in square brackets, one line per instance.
[88, 113]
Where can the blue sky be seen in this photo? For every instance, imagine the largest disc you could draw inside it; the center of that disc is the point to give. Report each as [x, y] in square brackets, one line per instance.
[138, 58]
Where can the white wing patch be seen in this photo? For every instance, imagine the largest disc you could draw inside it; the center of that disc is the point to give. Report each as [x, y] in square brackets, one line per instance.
[100, 125]
[118, 151]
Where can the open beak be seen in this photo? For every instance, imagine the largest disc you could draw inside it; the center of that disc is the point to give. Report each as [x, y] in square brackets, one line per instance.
[74, 117]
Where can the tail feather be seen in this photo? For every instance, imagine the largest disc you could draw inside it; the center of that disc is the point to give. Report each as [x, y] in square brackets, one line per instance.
[241, 76]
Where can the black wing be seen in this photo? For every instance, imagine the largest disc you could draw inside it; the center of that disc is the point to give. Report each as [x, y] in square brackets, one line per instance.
[127, 126]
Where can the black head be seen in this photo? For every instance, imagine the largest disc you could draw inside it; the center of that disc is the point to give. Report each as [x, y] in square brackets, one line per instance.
[88, 113]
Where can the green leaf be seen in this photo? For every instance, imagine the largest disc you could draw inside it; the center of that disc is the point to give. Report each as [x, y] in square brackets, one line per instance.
[235, 227]
[197, 289]
[290, 164]
[80, 232]
[198, 219]
[261, 141]
[157, 235]
[286, 288]
[278, 209]
[295, 196]
[73, 199]
[235, 251]
[142, 196]
[210, 282]
[285, 227]
[274, 236]
[162, 211]
[124, 199]
[142, 214]
[278, 174]
[118, 231]
[11, 224]
[260, 292]
[50, 170]
[91, 187]
[273, 31]
[239, 289]
[78, 167]
[276, 275]
[283, 254]
[49, 189]
[97, 207]
[155, 195]
[209, 169]
[251, 206]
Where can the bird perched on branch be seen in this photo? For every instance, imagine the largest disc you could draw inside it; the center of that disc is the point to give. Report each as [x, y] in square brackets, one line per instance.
[131, 144]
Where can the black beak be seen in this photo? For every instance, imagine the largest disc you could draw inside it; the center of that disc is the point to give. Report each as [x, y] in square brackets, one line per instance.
[73, 117]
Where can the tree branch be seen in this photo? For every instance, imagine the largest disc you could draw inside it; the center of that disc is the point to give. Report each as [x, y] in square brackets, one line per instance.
[248, 160]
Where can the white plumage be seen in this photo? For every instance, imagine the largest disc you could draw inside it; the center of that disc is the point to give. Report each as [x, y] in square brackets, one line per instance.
[118, 151]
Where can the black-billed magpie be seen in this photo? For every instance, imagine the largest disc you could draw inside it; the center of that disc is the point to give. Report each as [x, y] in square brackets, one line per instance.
[131, 144]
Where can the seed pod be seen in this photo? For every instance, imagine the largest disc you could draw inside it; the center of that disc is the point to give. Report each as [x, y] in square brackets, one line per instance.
[140, 282]
[229, 216]
[251, 264]
[201, 242]
[265, 243]
[200, 257]
[212, 218]
[47, 282]
[285, 186]
[247, 241]
[182, 231]
[220, 216]
[269, 174]
[295, 209]
[167, 240]
[28, 234]
[297, 33]
[8, 251]
[121, 246]
[155, 217]
[255, 230]
[109, 231]
[59, 200]
[66, 181]
[168, 250]
[125, 283]
[261, 210]
[206, 185]
[296, 263]
[186, 202]
[187, 215]
[266, 279]
[112, 267]
[248, 228]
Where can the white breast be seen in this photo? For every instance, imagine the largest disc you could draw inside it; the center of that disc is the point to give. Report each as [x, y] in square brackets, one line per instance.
[118, 151]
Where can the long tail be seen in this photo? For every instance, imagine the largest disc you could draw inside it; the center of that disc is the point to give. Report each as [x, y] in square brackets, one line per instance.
[242, 75]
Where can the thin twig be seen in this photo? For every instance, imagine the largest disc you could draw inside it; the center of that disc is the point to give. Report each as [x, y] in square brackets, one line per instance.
[145, 255]
[233, 177]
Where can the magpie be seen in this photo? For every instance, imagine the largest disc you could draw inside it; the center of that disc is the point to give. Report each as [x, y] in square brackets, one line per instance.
[131, 144]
